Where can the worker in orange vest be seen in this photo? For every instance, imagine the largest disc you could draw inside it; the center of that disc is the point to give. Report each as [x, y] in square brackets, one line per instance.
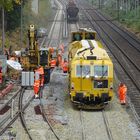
[36, 84]
[122, 93]
[59, 58]
[41, 74]
[39, 80]
[53, 63]
[65, 66]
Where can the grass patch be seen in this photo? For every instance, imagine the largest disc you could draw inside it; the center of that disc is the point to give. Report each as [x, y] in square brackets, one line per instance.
[12, 38]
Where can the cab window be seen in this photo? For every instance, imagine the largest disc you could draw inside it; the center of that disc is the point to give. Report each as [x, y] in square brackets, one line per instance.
[82, 70]
[89, 36]
[77, 37]
[100, 71]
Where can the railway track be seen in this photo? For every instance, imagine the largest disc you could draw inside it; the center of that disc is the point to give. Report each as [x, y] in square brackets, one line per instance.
[108, 130]
[55, 35]
[103, 120]
[82, 126]
[65, 24]
[131, 38]
[45, 118]
[73, 27]
[132, 63]
[21, 114]
[6, 123]
[126, 67]
[10, 118]
[54, 39]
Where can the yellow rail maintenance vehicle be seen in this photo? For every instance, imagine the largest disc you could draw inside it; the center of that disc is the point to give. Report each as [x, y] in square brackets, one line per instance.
[90, 71]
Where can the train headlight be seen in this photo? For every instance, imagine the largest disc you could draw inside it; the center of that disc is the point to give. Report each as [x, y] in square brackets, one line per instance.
[111, 86]
[72, 85]
[87, 76]
[84, 94]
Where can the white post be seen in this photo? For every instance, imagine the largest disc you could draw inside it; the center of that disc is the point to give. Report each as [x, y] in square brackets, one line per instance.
[12, 108]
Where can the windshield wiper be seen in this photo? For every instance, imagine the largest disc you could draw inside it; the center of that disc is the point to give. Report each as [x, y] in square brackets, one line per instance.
[103, 74]
[83, 50]
[86, 74]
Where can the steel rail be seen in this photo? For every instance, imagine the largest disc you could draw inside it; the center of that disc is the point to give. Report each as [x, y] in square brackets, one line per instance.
[13, 97]
[123, 36]
[136, 66]
[65, 24]
[111, 23]
[5, 120]
[135, 113]
[10, 123]
[82, 125]
[44, 116]
[137, 118]
[20, 111]
[130, 75]
[133, 80]
[124, 31]
[52, 28]
[107, 125]
[21, 114]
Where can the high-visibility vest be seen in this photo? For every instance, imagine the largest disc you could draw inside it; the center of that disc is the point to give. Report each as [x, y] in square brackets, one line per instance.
[65, 66]
[59, 59]
[122, 92]
[41, 70]
[53, 63]
[40, 74]
[36, 86]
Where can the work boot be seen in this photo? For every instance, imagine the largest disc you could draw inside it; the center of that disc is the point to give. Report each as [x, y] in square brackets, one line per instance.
[122, 103]
[36, 96]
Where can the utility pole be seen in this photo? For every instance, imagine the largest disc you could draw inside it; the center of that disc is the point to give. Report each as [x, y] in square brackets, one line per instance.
[118, 9]
[3, 31]
[38, 6]
[21, 24]
[99, 4]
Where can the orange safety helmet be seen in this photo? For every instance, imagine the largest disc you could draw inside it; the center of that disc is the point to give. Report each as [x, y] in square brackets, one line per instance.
[121, 84]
